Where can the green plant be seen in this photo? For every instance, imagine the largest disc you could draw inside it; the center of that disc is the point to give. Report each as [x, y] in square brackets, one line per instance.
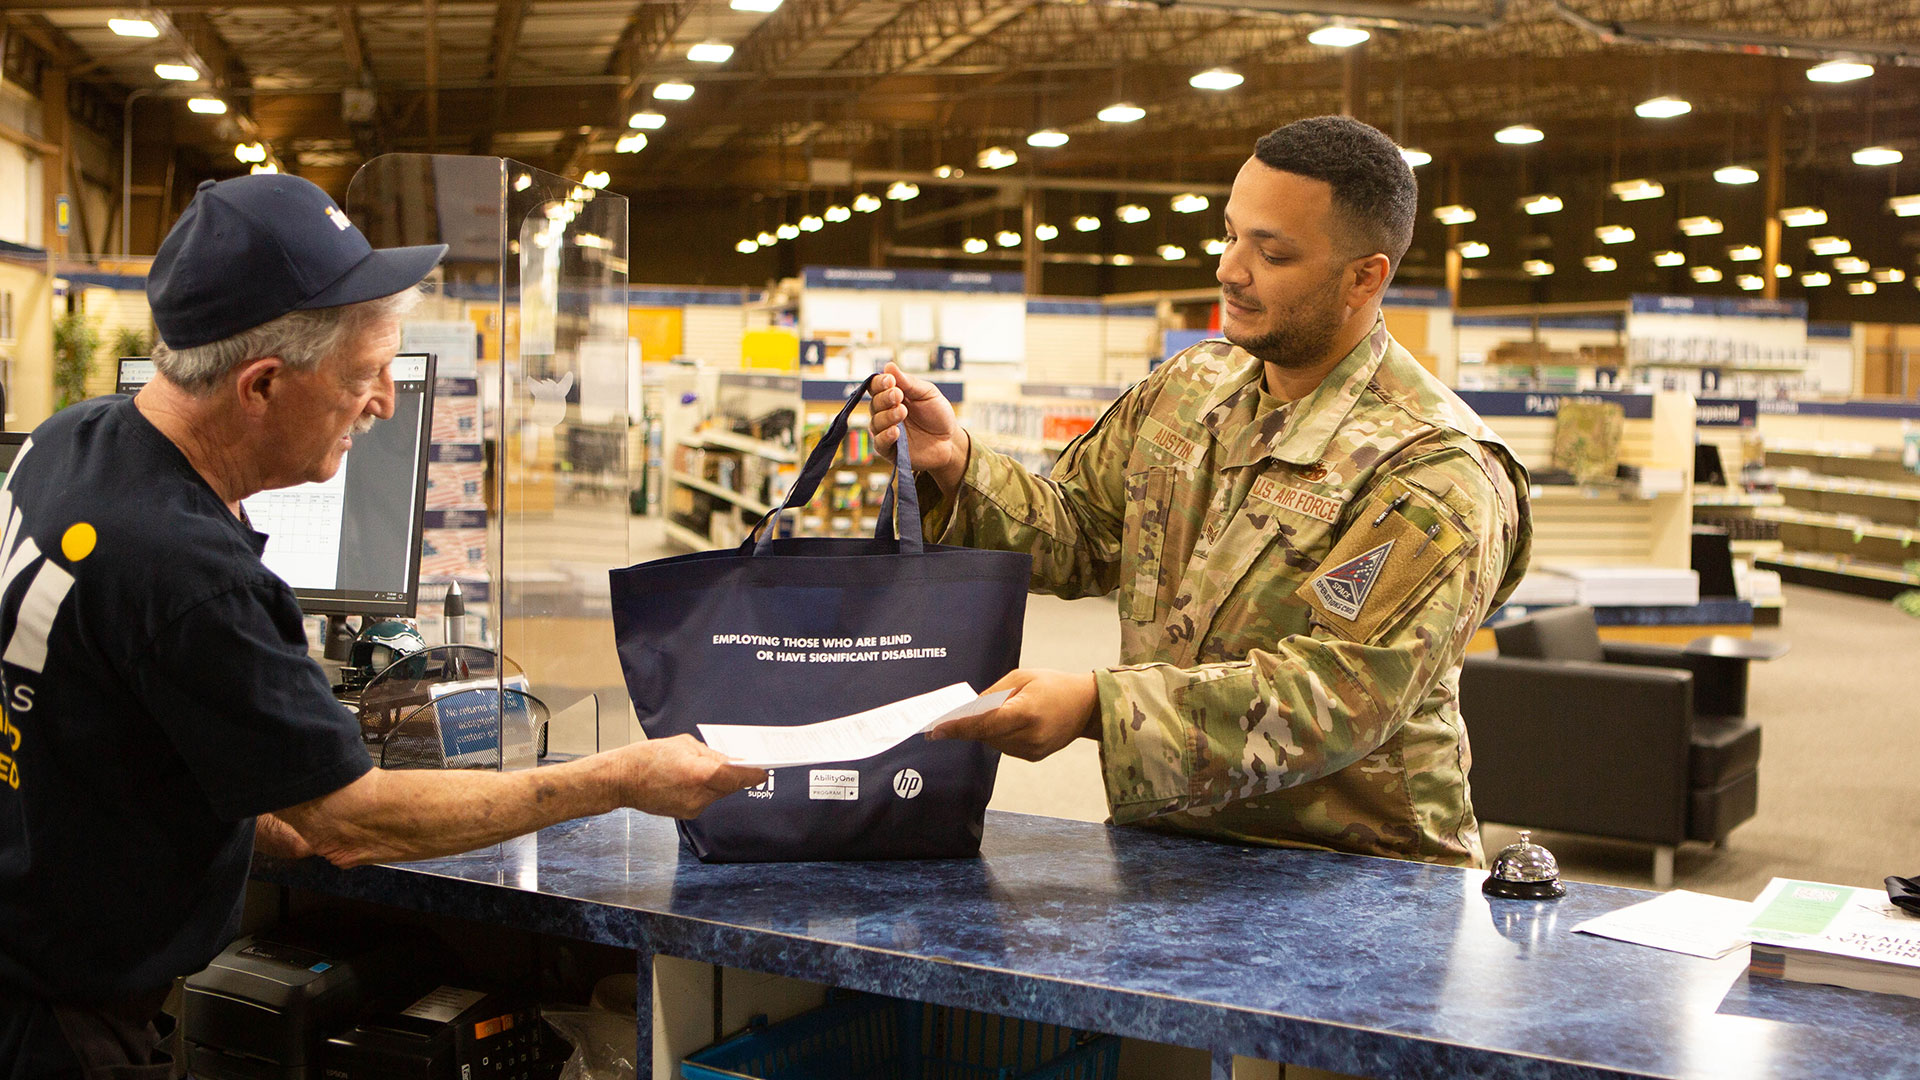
[75, 341]
[130, 342]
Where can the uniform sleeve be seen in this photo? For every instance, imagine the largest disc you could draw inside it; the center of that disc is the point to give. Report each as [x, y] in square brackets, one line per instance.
[1409, 581]
[251, 714]
[1070, 522]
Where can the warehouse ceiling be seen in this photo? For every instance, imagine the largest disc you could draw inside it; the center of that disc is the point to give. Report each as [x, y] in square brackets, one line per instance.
[820, 94]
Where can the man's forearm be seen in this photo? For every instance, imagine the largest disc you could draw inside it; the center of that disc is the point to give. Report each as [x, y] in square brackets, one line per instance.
[402, 815]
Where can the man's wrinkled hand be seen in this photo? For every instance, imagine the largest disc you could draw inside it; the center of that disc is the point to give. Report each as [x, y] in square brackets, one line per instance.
[1048, 710]
[680, 776]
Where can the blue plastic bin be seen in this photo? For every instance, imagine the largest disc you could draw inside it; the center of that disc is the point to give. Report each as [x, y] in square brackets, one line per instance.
[867, 1037]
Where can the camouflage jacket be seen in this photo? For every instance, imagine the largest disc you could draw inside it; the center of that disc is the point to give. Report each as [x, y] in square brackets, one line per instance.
[1297, 585]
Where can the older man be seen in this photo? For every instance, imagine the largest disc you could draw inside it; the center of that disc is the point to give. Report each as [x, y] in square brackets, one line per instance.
[163, 717]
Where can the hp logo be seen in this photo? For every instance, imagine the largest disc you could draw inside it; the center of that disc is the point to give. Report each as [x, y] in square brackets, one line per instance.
[907, 783]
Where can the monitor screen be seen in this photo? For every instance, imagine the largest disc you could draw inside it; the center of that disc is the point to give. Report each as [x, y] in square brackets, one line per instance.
[351, 545]
[134, 373]
[10, 444]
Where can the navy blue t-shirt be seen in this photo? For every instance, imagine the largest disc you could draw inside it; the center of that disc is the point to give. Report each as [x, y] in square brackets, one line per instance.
[158, 696]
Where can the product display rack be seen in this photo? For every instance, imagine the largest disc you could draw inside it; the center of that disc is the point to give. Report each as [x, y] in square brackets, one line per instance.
[1848, 519]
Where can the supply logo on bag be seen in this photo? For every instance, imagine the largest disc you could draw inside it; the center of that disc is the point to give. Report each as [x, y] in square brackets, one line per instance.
[907, 783]
[782, 633]
[763, 790]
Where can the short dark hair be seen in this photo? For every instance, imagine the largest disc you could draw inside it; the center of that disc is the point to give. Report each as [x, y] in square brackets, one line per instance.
[1373, 186]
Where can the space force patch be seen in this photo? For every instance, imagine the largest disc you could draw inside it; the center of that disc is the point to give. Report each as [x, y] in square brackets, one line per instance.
[1344, 589]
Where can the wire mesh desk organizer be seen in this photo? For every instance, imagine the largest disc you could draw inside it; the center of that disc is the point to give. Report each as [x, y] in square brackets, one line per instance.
[453, 707]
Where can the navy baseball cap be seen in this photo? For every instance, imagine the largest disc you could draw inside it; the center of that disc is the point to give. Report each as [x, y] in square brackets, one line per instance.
[251, 249]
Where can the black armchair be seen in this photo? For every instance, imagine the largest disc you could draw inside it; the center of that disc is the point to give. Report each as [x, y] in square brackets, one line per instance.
[1636, 742]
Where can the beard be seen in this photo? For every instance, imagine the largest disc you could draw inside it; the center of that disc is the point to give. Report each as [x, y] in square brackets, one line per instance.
[1302, 333]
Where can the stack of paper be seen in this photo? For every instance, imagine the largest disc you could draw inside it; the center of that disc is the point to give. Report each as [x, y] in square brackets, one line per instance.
[1807, 931]
[1633, 586]
[1544, 588]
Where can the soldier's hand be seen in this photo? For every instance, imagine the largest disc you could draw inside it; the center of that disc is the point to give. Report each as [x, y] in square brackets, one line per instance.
[678, 777]
[937, 443]
[1048, 710]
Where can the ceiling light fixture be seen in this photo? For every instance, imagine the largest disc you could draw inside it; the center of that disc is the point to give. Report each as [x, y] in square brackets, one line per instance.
[1518, 135]
[812, 223]
[1862, 288]
[631, 143]
[253, 151]
[1189, 203]
[1751, 282]
[1048, 138]
[1415, 158]
[1878, 155]
[1614, 234]
[1638, 190]
[647, 120]
[1851, 264]
[1454, 214]
[1339, 37]
[995, 157]
[673, 91]
[177, 72]
[1007, 238]
[1600, 264]
[867, 203]
[1133, 213]
[140, 28]
[948, 172]
[1215, 246]
[1888, 275]
[1542, 204]
[1736, 174]
[1701, 226]
[207, 106]
[1816, 279]
[1044, 232]
[1782, 270]
[596, 179]
[1086, 223]
[901, 191]
[1217, 79]
[1839, 71]
[747, 247]
[1669, 258]
[1743, 253]
[974, 245]
[264, 168]
[838, 213]
[787, 231]
[1124, 112]
[1664, 107]
[1829, 245]
[766, 239]
[1800, 217]
[1904, 205]
[1537, 268]
[1705, 275]
[1171, 252]
[710, 52]
[1122, 260]
[1473, 249]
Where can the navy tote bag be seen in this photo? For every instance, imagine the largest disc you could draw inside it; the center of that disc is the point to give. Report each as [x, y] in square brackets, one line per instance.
[788, 632]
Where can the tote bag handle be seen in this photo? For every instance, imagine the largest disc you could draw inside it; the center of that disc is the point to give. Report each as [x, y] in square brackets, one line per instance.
[820, 461]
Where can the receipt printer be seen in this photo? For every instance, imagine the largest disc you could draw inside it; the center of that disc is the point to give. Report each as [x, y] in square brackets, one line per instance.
[449, 1034]
[266, 1005]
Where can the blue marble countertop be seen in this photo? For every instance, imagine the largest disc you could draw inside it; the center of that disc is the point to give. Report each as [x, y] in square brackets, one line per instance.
[1366, 966]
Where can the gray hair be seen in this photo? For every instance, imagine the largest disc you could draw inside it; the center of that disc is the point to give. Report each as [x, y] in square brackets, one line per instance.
[302, 338]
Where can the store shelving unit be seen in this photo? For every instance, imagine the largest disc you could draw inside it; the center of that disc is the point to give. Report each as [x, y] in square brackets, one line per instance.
[1035, 427]
[1849, 517]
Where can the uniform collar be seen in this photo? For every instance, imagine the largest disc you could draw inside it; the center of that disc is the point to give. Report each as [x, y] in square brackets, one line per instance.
[1312, 421]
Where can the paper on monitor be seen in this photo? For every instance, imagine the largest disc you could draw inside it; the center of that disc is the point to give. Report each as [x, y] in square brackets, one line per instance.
[848, 738]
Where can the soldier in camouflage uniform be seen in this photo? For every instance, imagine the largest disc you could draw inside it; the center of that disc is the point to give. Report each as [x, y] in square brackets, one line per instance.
[1304, 534]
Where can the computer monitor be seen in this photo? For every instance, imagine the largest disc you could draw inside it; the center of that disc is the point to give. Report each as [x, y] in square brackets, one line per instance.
[351, 545]
[134, 373]
[10, 444]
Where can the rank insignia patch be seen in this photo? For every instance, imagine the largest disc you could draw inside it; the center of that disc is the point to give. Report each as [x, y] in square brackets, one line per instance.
[1344, 588]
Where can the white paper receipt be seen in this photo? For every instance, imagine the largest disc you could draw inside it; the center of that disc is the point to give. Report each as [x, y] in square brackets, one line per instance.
[1679, 921]
[848, 738]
